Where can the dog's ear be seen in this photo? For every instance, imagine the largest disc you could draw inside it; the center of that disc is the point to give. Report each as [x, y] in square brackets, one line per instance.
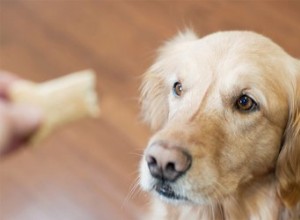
[288, 165]
[154, 90]
[154, 100]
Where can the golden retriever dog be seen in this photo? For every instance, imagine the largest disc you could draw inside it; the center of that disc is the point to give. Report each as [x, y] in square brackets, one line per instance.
[225, 109]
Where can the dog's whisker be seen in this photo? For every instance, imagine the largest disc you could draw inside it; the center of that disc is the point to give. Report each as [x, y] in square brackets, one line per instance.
[136, 154]
[133, 188]
[212, 209]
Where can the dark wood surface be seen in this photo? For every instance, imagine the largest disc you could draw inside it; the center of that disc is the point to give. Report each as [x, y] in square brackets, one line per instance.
[86, 170]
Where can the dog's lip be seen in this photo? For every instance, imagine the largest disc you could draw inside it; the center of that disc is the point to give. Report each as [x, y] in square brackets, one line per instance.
[165, 190]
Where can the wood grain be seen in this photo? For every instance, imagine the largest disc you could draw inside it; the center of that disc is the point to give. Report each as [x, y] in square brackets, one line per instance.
[85, 170]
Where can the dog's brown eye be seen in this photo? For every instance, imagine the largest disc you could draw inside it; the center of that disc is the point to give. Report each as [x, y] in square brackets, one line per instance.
[245, 103]
[177, 89]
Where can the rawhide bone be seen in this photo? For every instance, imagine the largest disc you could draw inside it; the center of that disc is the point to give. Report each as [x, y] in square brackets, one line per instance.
[61, 100]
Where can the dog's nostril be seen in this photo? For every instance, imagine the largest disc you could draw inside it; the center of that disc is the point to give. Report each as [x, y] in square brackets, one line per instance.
[170, 167]
[151, 160]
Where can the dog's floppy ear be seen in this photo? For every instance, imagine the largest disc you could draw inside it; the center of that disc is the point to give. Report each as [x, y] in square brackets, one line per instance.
[288, 165]
[154, 91]
[154, 100]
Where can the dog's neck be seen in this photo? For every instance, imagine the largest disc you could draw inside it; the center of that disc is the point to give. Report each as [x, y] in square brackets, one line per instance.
[257, 201]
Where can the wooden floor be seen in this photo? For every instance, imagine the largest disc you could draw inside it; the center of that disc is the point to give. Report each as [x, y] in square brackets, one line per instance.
[85, 171]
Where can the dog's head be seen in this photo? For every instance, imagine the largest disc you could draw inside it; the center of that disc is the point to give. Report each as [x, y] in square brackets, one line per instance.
[226, 111]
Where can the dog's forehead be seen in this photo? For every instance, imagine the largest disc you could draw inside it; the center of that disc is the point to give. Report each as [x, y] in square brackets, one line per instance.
[226, 56]
[211, 54]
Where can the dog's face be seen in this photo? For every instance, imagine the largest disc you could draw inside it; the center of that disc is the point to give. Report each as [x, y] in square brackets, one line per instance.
[220, 107]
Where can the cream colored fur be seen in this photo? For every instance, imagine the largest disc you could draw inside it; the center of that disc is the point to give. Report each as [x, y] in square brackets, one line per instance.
[245, 165]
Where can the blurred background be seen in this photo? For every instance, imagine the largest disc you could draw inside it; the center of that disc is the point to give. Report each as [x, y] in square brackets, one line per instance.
[87, 169]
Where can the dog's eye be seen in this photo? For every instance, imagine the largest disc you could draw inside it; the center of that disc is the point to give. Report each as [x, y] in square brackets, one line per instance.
[245, 103]
[177, 89]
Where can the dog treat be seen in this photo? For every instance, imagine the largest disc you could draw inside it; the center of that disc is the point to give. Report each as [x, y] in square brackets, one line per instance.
[61, 100]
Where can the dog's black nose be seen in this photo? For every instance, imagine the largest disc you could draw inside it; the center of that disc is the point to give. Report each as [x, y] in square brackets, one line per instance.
[167, 163]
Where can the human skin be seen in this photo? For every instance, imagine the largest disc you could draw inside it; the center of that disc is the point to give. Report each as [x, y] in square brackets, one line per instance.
[17, 122]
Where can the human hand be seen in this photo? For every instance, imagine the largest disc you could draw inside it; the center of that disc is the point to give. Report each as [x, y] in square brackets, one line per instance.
[17, 122]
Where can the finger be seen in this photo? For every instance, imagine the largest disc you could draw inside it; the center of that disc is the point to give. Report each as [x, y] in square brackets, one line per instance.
[6, 80]
[24, 119]
[17, 123]
[5, 128]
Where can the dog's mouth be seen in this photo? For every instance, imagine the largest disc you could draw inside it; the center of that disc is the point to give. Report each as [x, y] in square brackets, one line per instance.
[164, 189]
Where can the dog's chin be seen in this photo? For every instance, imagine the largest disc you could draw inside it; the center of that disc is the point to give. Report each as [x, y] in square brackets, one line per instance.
[167, 194]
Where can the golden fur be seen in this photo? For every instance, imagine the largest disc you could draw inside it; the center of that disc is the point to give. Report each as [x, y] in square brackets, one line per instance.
[245, 165]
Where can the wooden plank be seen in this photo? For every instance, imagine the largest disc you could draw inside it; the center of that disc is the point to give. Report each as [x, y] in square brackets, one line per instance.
[86, 170]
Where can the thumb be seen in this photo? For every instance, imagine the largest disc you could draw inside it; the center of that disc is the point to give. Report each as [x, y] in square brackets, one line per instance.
[16, 124]
[24, 120]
